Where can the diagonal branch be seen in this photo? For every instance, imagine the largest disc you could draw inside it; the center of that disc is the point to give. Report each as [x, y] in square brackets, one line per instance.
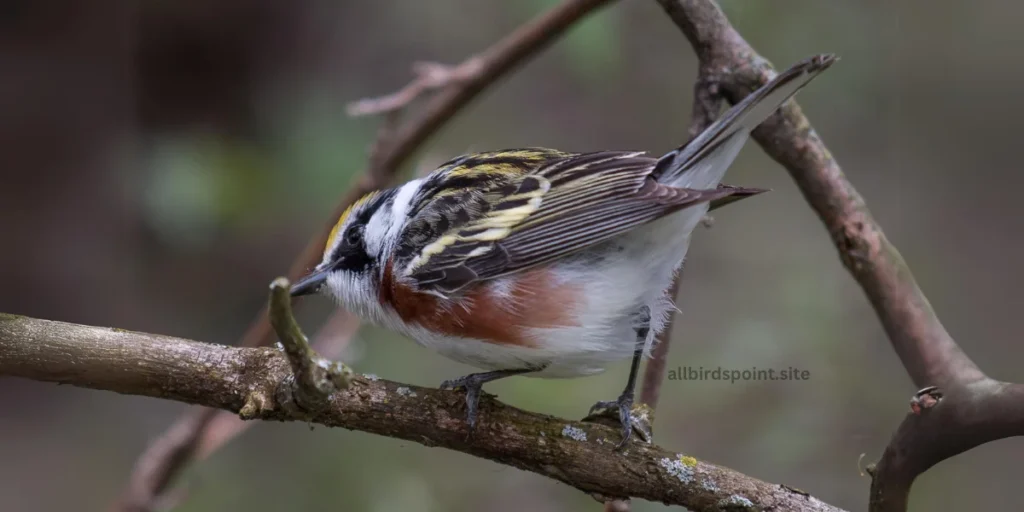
[968, 408]
[926, 349]
[158, 465]
[249, 381]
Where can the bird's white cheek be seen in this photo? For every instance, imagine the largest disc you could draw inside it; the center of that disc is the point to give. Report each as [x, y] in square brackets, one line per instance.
[342, 286]
[354, 292]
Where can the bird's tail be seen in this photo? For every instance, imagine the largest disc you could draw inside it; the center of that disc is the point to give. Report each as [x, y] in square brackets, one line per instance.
[701, 163]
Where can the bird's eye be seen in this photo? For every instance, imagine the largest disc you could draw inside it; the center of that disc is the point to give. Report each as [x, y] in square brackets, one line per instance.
[354, 236]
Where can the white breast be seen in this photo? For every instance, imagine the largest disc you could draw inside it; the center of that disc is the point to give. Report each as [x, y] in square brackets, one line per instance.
[618, 278]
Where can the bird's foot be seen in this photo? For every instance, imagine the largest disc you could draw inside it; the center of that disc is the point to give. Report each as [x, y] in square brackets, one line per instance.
[473, 385]
[630, 417]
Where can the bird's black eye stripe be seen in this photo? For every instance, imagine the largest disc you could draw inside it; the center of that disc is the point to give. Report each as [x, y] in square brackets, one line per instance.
[351, 253]
[354, 235]
[355, 259]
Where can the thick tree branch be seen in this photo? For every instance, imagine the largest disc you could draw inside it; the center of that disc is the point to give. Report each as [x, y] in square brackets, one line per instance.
[250, 380]
[168, 455]
[973, 409]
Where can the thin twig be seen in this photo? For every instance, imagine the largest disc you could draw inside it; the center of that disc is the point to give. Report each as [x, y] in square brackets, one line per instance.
[315, 378]
[249, 381]
[494, 63]
[430, 76]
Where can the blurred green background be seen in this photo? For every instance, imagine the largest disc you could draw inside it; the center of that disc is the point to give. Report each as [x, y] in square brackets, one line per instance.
[161, 162]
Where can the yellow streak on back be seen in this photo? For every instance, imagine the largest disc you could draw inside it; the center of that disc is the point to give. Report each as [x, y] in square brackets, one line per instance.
[497, 225]
[481, 165]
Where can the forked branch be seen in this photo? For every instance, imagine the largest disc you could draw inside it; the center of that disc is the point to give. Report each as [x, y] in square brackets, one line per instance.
[972, 409]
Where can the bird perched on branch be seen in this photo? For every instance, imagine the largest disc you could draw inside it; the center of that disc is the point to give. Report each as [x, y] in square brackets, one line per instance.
[539, 262]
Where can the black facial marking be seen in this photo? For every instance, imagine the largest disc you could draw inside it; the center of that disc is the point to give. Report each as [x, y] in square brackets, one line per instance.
[351, 253]
[353, 237]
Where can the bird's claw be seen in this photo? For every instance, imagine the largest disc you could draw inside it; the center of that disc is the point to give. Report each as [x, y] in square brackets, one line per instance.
[473, 384]
[631, 417]
[473, 387]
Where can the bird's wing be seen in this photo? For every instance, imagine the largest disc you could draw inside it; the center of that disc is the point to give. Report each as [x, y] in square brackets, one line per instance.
[461, 232]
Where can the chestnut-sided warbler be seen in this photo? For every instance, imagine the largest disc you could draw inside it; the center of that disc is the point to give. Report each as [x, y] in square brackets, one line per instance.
[535, 261]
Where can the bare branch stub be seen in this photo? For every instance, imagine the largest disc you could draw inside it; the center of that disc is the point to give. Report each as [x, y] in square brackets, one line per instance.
[941, 424]
[314, 379]
[972, 408]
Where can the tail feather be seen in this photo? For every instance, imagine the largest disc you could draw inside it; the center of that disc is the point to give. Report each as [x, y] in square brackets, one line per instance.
[737, 193]
[702, 162]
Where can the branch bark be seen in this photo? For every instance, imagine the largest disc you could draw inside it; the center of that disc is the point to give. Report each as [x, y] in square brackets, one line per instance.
[971, 408]
[330, 342]
[250, 381]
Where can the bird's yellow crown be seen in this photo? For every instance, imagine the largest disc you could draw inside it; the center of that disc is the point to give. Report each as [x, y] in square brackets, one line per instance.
[336, 230]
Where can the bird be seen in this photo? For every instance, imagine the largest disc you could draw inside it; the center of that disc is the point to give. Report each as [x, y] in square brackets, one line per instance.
[539, 262]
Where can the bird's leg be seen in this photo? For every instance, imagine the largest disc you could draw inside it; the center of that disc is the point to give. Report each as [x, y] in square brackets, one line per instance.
[623, 406]
[473, 384]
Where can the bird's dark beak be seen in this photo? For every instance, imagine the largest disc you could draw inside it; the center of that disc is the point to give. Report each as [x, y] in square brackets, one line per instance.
[309, 284]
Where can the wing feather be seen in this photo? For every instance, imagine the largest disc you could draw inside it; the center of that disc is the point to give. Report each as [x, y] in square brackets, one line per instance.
[563, 205]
